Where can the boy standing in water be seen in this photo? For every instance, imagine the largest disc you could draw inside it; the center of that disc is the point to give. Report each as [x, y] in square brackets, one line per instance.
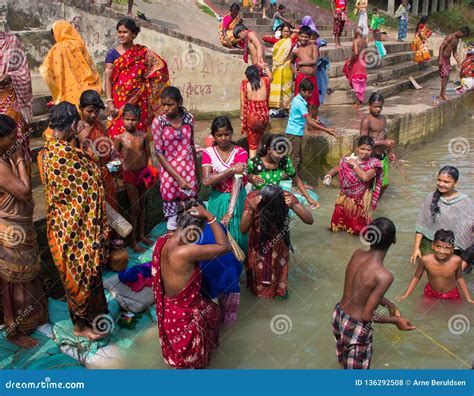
[375, 125]
[365, 285]
[444, 270]
[133, 147]
[303, 62]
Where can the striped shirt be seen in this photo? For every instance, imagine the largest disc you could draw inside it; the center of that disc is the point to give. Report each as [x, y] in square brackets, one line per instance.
[456, 214]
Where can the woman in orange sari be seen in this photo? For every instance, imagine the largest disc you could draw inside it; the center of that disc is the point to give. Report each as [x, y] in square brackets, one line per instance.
[227, 25]
[422, 33]
[133, 74]
[16, 97]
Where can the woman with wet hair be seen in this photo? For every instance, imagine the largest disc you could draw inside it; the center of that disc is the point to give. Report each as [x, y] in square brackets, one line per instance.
[23, 304]
[133, 74]
[266, 219]
[445, 208]
[76, 222]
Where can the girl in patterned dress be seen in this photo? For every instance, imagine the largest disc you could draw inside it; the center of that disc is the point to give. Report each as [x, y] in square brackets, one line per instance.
[173, 136]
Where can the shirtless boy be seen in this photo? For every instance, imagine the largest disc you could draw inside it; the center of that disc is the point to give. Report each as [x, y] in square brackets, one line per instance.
[365, 285]
[304, 61]
[448, 47]
[444, 270]
[133, 147]
[253, 43]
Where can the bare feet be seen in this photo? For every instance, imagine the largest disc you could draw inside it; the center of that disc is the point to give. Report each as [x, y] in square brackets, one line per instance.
[136, 248]
[23, 341]
[444, 97]
[88, 332]
[145, 240]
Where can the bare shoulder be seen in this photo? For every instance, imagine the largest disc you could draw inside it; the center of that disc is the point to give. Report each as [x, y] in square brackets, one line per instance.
[383, 276]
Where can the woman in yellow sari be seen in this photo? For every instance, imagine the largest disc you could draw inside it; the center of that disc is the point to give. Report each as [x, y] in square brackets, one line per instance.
[68, 68]
[280, 89]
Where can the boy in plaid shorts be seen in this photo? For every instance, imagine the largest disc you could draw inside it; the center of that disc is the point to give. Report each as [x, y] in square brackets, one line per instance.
[365, 285]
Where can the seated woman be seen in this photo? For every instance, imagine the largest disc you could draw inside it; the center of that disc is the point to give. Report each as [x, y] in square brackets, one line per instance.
[68, 68]
[357, 200]
[23, 304]
[227, 25]
[266, 220]
[272, 165]
[422, 33]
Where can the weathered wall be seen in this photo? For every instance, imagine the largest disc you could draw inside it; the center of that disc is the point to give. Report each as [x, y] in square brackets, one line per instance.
[208, 76]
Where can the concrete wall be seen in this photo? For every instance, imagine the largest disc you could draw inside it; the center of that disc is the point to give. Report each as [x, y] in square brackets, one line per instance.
[208, 77]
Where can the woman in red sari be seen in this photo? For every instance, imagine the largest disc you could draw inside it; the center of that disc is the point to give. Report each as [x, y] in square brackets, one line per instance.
[356, 199]
[133, 74]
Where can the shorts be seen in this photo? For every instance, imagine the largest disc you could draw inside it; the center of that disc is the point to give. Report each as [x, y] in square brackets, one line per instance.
[445, 66]
[296, 151]
[353, 340]
[453, 294]
[314, 99]
[133, 177]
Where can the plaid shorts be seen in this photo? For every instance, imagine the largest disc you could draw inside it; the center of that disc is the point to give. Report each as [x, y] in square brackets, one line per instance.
[353, 340]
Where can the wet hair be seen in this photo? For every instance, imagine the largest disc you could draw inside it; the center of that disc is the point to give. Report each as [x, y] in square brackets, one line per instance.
[234, 7]
[63, 116]
[445, 170]
[186, 219]
[446, 236]
[366, 140]
[306, 85]
[238, 29]
[465, 31]
[132, 109]
[130, 24]
[221, 122]
[274, 224]
[422, 21]
[91, 98]
[7, 125]
[376, 96]
[380, 234]
[305, 30]
[468, 255]
[175, 94]
[357, 30]
[253, 75]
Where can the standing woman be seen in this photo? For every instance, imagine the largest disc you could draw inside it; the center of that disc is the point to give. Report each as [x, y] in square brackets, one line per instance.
[357, 200]
[422, 33]
[280, 88]
[133, 74]
[223, 166]
[68, 68]
[16, 97]
[254, 96]
[445, 208]
[76, 222]
[23, 305]
[227, 25]
[402, 14]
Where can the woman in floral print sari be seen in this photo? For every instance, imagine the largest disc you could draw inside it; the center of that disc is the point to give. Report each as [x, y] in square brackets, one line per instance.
[76, 222]
[135, 75]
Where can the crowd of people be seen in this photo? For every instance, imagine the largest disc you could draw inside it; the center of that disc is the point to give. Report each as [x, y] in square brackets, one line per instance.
[197, 264]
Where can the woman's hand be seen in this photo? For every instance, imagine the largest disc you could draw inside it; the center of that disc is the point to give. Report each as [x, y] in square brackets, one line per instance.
[313, 202]
[5, 79]
[226, 219]
[239, 169]
[253, 203]
[184, 185]
[404, 324]
[415, 255]
[200, 212]
[256, 180]
[111, 110]
[352, 162]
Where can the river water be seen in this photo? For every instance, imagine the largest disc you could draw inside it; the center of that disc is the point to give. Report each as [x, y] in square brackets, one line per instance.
[297, 333]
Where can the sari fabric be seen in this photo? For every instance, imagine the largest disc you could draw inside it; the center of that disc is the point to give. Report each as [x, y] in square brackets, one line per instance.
[356, 200]
[23, 305]
[280, 88]
[422, 53]
[356, 74]
[139, 76]
[225, 30]
[188, 323]
[68, 68]
[77, 227]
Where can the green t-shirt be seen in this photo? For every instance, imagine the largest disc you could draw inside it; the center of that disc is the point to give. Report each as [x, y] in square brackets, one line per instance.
[271, 176]
[376, 22]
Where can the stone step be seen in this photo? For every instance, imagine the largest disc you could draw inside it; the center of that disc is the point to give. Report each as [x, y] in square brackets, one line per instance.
[390, 88]
[38, 42]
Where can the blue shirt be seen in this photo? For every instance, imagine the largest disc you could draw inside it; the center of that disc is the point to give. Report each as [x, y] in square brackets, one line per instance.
[297, 119]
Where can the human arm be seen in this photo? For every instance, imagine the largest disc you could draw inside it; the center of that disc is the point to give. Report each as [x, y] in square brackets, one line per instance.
[392, 308]
[363, 175]
[414, 281]
[294, 58]
[316, 125]
[18, 186]
[255, 40]
[268, 72]
[292, 202]
[234, 195]
[416, 254]
[211, 179]
[462, 283]
[333, 9]
[111, 110]
[300, 185]
[185, 185]
[5, 79]
[242, 102]
[456, 55]
[146, 147]
[249, 210]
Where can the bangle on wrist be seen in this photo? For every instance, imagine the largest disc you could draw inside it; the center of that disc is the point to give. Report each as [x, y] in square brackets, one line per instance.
[212, 221]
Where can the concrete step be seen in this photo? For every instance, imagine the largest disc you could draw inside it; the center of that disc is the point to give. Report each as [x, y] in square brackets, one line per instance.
[38, 42]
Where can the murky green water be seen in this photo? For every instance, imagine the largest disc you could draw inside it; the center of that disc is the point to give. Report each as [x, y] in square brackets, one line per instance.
[316, 281]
